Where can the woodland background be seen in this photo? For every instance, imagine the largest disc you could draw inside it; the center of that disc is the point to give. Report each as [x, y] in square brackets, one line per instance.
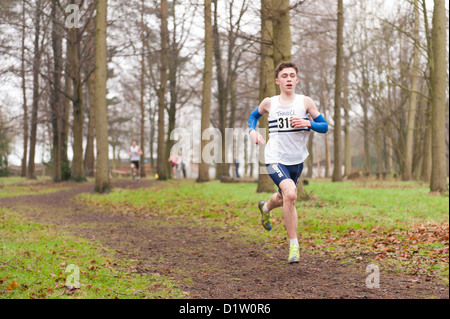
[75, 90]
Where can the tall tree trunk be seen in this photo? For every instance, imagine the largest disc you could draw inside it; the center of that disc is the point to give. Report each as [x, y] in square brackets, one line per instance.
[31, 172]
[55, 95]
[89, 157]
[324, 101]
[102, 181]
[24, 93]
[266, 87]
[203, 173]
[142, 88]
[78, 112]
[347, 140]
[366, 123]
[439, 84]
[379, 146]
[427, 149]
[222, 93]
[337, 171]
[407, 170]
[173, 56]
[281, 32]
[388, 135]
[427, 160]
[152, 124]
[162, 160]
[64, 113]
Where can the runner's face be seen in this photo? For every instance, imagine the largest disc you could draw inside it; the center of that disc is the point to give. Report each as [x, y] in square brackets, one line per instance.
[287, 80]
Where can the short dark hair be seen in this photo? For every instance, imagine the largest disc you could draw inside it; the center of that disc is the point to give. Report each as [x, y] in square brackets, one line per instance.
[285, 65]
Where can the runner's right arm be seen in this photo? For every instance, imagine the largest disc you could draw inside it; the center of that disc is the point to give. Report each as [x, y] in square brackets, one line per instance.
[263, 108]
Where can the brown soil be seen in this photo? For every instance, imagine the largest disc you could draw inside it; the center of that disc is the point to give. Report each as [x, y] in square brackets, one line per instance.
[214, 262]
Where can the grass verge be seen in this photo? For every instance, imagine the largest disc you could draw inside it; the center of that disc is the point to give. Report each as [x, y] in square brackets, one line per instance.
[39, 261]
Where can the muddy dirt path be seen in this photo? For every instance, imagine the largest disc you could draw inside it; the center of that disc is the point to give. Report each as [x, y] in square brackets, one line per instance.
[212, 262]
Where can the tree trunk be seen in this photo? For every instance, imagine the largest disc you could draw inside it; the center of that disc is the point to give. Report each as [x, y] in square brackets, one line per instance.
[24, 93]
[337, 171]
[142, 92]
[323, 102]
[55, 100]
[439, 84]
[347, 139]
[203, 173]
[407, 169]
[427, 156]
[266, 88]
[366, 123]
[89, 155]
[64, 113]
[102, 181]
[161, 153]
[379, 146]
[89, 158]
[281, 32]
[427, 160]
[222, 93]
[152, 120]
[77, 171]
[31, 173]
[172, 111]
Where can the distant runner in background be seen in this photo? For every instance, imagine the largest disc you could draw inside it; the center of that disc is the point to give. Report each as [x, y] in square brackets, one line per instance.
[135, 153]
[173, 159]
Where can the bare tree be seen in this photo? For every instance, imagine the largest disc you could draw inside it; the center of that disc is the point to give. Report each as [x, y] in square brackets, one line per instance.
[337, 171]
[31, 173]
[55, 100]
[266, 84]
[161, 154]
[407, 170]
[203, 175]
[102, 181]
[24, 93]
[439, 85]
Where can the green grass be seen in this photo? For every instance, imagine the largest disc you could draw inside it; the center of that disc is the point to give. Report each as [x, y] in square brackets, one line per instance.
[34, 259]
[22, 180]
[19, 190]
[391, 205]
[398, 224]
[18, 186]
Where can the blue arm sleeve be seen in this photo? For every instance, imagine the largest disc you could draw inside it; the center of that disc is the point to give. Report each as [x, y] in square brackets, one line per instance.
[253, 119]
[320, 124]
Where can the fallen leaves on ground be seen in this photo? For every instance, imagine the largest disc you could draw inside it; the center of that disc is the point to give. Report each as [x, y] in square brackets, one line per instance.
[422, 250]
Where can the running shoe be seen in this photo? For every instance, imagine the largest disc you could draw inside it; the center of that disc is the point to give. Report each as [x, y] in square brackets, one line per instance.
[294, 254]
[265, 217]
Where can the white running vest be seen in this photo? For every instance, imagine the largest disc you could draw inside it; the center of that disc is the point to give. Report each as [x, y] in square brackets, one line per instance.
[286, 145]
[135, 153]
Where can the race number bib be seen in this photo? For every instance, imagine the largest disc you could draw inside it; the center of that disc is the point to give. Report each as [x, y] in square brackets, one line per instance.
[284, 124]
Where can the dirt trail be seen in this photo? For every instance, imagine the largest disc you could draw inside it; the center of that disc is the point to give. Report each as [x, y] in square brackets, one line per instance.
[210, 262]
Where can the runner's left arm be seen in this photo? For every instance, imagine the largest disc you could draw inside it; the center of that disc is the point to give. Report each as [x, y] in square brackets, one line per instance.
[319, 124]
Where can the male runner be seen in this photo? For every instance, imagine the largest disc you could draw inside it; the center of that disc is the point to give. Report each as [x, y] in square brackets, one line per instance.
[135, 153]
[286, 150]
